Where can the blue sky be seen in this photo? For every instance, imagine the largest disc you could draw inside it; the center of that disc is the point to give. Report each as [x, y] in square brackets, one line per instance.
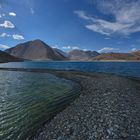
[101, 25]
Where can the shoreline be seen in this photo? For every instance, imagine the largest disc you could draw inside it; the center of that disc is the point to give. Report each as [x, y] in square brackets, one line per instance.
[73, 61]
[108, 108]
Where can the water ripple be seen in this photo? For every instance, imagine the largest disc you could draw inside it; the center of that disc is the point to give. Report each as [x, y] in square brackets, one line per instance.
[27, 100]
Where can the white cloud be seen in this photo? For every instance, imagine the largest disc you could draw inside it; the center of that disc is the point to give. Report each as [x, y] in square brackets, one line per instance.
[5, 35]
[7, 24]
[75, 47]
[126, 15]
[56, 46]
[3, 47]
[70, 47]
[12, 14]
[14, 36]
[18, 37]
[107, 49]
[65, 48]
[133, 49]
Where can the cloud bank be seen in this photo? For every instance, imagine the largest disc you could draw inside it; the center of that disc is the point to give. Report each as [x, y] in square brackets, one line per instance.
[126, 17]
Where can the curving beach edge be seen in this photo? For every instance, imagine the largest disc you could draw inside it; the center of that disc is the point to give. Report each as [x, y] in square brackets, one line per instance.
[108, 108]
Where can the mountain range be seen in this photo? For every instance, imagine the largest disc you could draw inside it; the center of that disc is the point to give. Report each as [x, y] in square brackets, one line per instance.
[82, 55]
[134, 56]
[38, 50]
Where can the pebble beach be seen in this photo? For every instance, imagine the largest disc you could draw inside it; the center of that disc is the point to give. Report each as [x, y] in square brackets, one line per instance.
[108, 108]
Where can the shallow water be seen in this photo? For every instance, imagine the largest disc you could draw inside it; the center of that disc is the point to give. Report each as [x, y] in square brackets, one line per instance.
[121, 68]
[27, 100]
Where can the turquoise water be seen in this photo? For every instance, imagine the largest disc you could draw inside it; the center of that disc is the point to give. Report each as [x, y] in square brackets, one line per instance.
[27, 100]
[121, 68]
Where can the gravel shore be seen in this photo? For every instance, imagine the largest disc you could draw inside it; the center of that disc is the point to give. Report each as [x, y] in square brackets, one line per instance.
[108, 109]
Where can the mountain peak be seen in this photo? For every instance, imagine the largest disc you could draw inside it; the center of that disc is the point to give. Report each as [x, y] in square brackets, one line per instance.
[38, 40]
[36, 49]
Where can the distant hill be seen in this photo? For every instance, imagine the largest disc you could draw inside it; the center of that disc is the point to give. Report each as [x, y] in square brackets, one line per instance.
[82, 55]
[5, 57]
[60, 52]
[38, 50]
[119, 56]
[35, 50]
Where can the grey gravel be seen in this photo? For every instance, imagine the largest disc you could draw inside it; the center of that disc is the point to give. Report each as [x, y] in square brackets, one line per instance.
[108, 108]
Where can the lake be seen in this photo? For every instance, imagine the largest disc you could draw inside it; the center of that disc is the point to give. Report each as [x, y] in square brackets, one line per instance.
[27, 100]
[121, 68]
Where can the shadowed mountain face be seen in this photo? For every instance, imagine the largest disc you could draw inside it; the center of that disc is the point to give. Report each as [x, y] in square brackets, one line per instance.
[119, 56]
[5, 57]
[82, 55]
[36, 49]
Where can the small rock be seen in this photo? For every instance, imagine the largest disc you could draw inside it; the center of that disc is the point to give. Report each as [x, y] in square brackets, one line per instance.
[124, 134]
[109, 131]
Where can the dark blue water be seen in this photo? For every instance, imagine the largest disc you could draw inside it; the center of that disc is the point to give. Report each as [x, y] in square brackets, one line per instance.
[121, 68]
